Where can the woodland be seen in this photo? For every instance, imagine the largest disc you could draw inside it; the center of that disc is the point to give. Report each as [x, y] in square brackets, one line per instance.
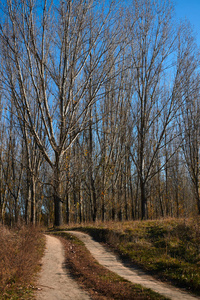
[99, 112]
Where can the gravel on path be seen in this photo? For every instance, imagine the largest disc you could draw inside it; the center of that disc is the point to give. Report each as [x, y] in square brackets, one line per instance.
[134, 275]
[55, 282]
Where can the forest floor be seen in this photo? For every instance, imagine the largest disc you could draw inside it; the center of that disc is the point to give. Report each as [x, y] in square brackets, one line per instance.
[56, 281]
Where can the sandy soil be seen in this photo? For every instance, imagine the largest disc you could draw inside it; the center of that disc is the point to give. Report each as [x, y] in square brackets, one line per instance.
[55, 282]
[109, 260]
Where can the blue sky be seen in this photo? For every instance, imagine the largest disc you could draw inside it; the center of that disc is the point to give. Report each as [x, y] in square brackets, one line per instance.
[189, 9]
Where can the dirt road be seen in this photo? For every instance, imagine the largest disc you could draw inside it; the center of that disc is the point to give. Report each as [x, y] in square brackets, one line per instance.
[55, 283]
[108, 260]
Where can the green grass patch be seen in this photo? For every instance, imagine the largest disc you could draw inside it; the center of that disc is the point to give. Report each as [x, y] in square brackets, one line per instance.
[169, 249]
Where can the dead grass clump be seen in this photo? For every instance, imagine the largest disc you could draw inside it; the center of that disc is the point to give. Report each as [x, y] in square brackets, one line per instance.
[20, 252]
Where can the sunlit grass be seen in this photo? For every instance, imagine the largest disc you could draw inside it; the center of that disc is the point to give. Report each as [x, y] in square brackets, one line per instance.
[167, 248]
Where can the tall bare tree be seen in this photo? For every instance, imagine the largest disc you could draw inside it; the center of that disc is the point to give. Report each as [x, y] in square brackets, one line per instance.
[189, 115]
[155, 86]
[46, 49]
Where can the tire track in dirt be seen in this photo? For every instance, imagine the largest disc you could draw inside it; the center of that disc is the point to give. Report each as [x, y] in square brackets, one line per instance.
[134, 275]
[55, 282]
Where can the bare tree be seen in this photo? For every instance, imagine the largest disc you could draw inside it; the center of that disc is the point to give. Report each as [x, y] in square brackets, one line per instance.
[189, 116]
[45, 52]
[155, 86]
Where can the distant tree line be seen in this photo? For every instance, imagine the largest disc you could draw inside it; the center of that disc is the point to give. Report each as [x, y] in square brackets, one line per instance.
[99, 112]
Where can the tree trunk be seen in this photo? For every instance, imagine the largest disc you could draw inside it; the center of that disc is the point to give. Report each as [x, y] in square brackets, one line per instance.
[28, 201]
[33, 204]
[57, 195]
[103, 195]
[143, 201]
[94, 200]
[16, 210]
[67, 208]
[57, 210]
[198, 201]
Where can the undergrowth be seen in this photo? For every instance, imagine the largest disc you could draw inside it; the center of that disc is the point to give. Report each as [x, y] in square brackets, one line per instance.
[20, 252]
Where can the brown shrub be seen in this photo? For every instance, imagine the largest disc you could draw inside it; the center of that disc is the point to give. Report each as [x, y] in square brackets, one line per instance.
[20, 252]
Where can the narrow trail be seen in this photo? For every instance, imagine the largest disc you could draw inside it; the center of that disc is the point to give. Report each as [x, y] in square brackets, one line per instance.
[134, 275]
[55, 282]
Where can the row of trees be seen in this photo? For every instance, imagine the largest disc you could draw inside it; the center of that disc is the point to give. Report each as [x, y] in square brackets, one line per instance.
[99, 111]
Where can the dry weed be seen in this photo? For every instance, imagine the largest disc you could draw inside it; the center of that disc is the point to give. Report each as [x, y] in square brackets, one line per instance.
[20, 252]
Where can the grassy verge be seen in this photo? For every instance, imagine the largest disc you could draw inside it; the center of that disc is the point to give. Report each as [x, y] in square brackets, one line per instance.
[97, 280]
[20, 253]
[168, 249]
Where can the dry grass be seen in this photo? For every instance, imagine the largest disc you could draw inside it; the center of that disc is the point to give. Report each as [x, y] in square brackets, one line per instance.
[100, 282]
[168, 248]
[20, 252]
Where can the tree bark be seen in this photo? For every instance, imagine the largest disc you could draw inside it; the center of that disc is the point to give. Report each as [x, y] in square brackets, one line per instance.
[33, 201]
[57, 194]
[143, 201]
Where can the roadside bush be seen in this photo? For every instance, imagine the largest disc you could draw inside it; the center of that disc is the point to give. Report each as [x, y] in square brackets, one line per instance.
[20, 252]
